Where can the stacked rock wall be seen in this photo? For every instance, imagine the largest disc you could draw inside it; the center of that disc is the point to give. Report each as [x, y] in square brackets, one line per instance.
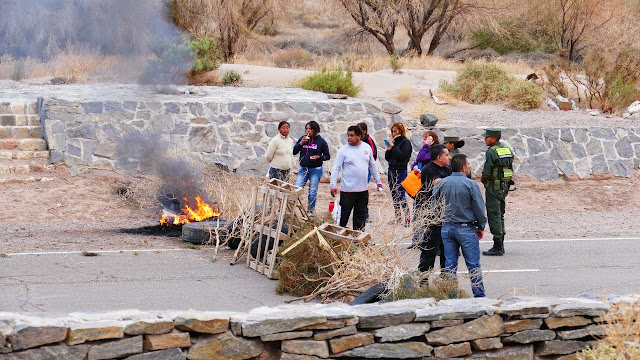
[232, 127]
[516, 328]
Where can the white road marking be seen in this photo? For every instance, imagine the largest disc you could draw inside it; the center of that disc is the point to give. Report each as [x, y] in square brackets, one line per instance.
[94, 251]
[556, 240]
[504, 271]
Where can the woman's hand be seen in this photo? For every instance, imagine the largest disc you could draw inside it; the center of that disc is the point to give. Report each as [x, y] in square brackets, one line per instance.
[415, 168]
[430, 140]
[314, 157]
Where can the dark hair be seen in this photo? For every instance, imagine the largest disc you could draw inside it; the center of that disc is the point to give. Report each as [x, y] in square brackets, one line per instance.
[437, 150]
[355, 129]
[458, 162]
[363, 126]
[282, 123]
[314, 126]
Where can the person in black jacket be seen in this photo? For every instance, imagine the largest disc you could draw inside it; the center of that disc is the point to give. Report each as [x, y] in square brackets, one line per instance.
[397, 155]
[313, 151]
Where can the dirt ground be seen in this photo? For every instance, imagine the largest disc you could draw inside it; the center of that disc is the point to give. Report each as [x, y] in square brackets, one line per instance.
[85, 212]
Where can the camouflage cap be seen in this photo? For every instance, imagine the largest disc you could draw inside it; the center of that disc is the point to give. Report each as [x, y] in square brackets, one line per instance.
[451, 139]
[492, 132]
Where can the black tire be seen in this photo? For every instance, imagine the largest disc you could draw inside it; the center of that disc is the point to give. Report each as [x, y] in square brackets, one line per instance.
[371, 295]
[199, 232]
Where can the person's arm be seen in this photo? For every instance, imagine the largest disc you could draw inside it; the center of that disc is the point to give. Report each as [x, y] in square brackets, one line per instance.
[373, 169]
[488, 165]
[407, 149]
[297, 147]
[478, 205]
[326, 155]
[337, 165]
[271, 149]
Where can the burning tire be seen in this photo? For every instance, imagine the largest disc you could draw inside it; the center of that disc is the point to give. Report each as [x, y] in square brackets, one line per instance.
[203, 231]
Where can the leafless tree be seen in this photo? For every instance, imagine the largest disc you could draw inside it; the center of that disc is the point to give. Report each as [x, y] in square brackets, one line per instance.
[421, 16]
[576, 19]
[232, 22]
[377, 17]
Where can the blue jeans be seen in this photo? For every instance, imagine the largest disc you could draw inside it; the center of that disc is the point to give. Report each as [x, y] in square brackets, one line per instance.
[312, 175]
[465, 236]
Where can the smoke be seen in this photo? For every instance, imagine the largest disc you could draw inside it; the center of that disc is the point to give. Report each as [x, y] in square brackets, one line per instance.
[150, 155]
[126, 29]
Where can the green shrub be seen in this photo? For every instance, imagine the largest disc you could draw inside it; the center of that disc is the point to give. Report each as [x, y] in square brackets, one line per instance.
[525, 95]
[17, 73]
[512, 36]
[170, 62]
[207, 54]
[479, 82]
[331, 82]
[231, 77]
[395, 62]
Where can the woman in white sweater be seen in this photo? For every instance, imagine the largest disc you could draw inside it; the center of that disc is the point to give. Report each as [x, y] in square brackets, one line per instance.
[280, 154]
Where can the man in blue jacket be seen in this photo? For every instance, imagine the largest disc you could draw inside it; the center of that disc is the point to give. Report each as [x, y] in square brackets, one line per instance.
[464, 221]
[313, 152]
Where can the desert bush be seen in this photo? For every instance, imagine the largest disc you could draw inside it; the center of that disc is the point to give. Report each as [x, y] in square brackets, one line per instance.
[331, 82]
[508, 36]
[171, 60]
[231, 77]
[417, 285]
[479, 82]
[292, 58]
[525, 95]
[395, 63]
[206, 53]
[17, 73]
[622, 334]
[405, 94]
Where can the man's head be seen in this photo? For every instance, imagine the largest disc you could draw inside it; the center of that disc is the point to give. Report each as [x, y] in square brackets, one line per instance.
[439, 155]
[354, 135]
[460, 163]
[283, 128]
[492, 136]
[312, 128]
[363, 127]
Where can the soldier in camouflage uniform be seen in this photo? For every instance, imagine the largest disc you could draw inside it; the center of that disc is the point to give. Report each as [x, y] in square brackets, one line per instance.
[496, 177]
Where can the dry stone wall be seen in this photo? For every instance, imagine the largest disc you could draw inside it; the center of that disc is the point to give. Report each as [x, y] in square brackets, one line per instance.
[515, 328]
[232, 127]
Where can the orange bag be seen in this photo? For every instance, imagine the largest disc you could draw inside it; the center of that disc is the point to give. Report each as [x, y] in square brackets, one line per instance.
[412, 183]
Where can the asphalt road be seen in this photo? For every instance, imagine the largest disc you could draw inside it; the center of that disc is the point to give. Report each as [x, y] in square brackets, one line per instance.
[188, 279]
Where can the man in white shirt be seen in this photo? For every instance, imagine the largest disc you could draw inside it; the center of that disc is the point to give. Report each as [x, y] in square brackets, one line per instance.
[356, 161]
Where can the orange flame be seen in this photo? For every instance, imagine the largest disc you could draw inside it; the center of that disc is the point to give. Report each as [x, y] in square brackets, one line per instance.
[201, 212]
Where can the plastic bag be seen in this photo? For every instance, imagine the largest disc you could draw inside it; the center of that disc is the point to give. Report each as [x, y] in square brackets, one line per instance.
[412, 183]
[335, 213]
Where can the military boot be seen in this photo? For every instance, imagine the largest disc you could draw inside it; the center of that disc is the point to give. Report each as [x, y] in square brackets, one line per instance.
[497, 249]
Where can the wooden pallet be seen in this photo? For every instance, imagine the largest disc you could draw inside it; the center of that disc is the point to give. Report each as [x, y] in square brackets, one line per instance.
[345, 234]
[271, 203]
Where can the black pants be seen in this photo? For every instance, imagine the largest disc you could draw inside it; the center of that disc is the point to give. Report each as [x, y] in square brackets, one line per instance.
[430, 247]
[356, 201]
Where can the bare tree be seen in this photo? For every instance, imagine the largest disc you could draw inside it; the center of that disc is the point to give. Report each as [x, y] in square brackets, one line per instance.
[576, 19]
[232, 22]
[377, 17]
[421, 16]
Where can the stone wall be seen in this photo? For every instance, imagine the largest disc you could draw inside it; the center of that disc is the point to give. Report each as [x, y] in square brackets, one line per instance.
[515, 328]
[232, 127]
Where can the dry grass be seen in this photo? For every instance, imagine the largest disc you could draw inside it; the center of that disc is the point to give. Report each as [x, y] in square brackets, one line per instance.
[426, 105]
[622, 334]
[405, 94]
[75, 64]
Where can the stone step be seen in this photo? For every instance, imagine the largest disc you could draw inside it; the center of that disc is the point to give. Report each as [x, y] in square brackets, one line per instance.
[22, 167]
[24, 178]
[23, 144]
[19, 108]
[20, 120]
[18, 155]
[21, 132]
